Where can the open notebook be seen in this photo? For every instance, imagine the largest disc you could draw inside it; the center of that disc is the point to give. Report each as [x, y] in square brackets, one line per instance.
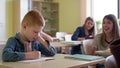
[71, 42]
[38, 60]
[83, 57]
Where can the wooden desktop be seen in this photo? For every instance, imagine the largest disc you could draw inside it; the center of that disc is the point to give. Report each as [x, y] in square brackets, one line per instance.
[58, 62]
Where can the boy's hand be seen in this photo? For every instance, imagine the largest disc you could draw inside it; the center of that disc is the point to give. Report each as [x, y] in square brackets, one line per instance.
[47, 37]
[32, 55]
[43, 42]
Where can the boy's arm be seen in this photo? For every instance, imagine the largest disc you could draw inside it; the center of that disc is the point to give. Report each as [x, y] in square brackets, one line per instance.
[45, 47]
[46, 37]
[29, 54]
[45, 51]
[9, 53]
[43, 42]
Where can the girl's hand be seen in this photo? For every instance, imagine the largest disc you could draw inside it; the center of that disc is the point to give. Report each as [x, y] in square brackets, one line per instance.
[80, 39]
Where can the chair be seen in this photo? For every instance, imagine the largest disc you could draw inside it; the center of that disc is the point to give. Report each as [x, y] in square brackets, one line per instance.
[110, 62]
[87, 47]
[63, 36]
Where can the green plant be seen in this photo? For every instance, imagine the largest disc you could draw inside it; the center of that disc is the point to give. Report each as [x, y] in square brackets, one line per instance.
[99, 25]
[98, 22]
[119, 21]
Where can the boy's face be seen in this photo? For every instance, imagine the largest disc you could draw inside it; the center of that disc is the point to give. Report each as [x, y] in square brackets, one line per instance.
[32, 32]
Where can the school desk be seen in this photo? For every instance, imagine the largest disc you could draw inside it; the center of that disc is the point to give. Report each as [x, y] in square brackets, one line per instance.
[66, 43]
[58, 62]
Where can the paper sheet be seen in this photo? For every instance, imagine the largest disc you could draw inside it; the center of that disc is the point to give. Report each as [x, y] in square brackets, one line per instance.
[38, 60]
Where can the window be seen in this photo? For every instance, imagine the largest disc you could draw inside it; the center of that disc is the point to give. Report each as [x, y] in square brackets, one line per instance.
[104, 7]
[2, 20]
[99, 8]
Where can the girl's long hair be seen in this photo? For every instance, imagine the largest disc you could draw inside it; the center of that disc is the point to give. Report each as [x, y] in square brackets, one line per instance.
[92, 30]
[115, 30]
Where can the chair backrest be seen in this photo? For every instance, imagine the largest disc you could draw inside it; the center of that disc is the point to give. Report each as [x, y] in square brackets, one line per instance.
[68, 37]
[61, 35]
[87, 46]
[110, 62]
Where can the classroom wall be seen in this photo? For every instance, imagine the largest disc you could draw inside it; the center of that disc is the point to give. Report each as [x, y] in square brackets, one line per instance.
[9, 18]
[13, 16]
[69, 15]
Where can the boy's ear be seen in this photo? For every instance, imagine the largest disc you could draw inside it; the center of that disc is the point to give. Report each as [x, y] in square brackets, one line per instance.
[24, 25]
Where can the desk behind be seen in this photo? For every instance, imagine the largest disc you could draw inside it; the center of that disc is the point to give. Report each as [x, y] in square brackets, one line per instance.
[65, 46]
[66, 43]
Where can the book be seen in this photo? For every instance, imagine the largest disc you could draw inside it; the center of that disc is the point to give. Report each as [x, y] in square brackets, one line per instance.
[84, 57]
